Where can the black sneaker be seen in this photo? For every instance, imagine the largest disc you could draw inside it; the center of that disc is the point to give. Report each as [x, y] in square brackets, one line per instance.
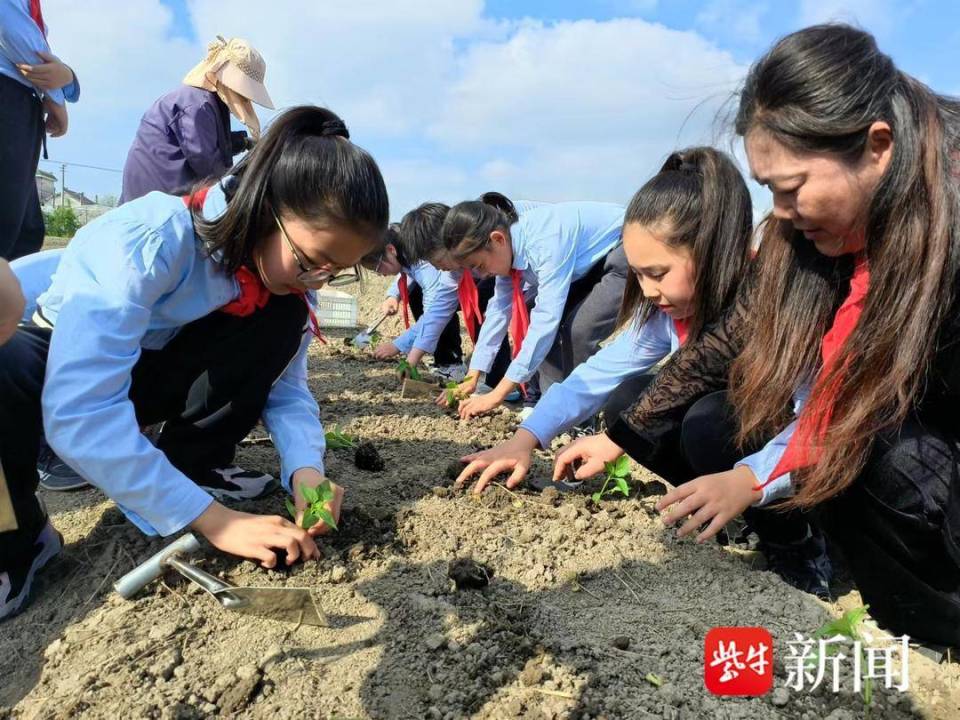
[234, 483]
[55, 474]
[16, 582]
[803, 564]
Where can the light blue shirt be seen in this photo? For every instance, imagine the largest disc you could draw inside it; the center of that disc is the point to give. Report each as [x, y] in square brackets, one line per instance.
[20, 39]
[764, 461]
[440, 302]
[554, 245]
[130, 280]
[587, 388]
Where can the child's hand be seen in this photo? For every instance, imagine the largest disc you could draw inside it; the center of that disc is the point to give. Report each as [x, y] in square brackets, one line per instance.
[464, 390]
[57, 119]
[714, 499]
[390, 306]
[385, 350]
[51, 74]
[254, 536]
[310, 477]
[513, 455]
[478, 405]
[586, 456]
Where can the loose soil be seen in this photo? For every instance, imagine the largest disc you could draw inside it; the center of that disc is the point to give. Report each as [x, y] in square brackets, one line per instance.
[574, 609]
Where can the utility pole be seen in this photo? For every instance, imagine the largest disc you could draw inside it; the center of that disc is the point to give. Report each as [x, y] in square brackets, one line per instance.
[63, 185]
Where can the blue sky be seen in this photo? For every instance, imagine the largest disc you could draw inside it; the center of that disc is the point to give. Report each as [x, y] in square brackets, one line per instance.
[540, 99]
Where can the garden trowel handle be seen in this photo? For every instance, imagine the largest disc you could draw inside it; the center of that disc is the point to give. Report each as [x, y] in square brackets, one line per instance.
[131, 583]
[205, 580]
[377, 324]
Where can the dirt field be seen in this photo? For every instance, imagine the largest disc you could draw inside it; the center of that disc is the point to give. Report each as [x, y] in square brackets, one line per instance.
[582, 605]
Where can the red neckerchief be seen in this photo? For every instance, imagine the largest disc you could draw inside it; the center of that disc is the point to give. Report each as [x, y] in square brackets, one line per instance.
[469, 304]
[519, 317]
[405, 298]
[314, 323]
[803, 448]
[253, 294]
[37, 15]
[682, 328]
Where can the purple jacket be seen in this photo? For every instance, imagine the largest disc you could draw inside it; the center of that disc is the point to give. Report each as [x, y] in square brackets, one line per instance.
[183, 138]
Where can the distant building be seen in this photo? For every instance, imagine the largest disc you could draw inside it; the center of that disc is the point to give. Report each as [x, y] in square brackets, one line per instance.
[46, 186]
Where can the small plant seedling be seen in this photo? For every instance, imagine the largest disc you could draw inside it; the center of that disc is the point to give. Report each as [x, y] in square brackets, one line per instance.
[654, 679]
[406, 369]
[316, 510]
[453, 394]
[339, 440]
[375, 339]
[617, 474]
[847, 625]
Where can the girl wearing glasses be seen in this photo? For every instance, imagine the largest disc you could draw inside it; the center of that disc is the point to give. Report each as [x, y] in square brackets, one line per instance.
[190, 312]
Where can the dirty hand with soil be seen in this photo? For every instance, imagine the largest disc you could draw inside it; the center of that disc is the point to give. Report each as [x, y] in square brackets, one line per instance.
[463, 390]
[512, 456]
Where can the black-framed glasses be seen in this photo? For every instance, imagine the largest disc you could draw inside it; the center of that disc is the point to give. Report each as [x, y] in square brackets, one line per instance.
[317, 277]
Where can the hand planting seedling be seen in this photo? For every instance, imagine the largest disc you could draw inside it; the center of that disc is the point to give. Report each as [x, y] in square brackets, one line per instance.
[405, 369]
[453, 394]
[339, 440]
[617, 473]
[316, 510]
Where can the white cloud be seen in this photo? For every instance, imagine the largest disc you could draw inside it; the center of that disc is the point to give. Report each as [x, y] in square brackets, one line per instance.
[451, 102]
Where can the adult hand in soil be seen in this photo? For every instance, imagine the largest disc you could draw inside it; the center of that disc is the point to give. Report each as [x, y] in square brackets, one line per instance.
[57, 120]
[587, 455]
[390, 306]
[714, 499]
[514, 455]
[48, 75]
[254, 536]
[385, 350]
[478, 405]
[11, 302]
[464, 390]
[310, 477]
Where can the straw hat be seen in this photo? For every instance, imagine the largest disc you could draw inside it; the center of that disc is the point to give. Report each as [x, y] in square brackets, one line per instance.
[236, 64]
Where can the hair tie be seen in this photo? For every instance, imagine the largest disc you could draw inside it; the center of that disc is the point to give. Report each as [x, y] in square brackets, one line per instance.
[334, 127]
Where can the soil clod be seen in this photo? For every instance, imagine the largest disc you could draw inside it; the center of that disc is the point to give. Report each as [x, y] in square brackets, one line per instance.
[366, 457]
[468, 574]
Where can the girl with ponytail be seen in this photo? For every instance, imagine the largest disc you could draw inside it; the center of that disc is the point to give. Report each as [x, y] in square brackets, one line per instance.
[686, 234]
[569, 256]
[192, 312]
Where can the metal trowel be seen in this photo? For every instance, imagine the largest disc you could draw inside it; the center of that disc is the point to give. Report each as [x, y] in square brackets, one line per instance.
[363, 339]
[296, 605]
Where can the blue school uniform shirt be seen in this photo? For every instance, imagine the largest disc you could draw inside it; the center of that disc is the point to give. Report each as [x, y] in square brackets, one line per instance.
[554, 245]
[20, 39]
[440, 302]
[130, 280]
[764, 461]
[587, 388]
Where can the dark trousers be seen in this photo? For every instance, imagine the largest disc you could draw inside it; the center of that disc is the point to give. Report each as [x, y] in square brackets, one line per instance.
[501, 362]
[894, 528]
[589, 317]
[208, 386]
[449, 350]
[21, 136]
[703, 445]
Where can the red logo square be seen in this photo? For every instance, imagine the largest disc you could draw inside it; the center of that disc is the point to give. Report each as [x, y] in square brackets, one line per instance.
[738, 661]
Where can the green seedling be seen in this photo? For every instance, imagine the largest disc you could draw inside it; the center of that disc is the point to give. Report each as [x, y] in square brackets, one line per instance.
[339, 440]
[847, 625]
[375, 339]
[405, 368]
[316, 510]
[617, 474]
[453, 394]
[653, 679]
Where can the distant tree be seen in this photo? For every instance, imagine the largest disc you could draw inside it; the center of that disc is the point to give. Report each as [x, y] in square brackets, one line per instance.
[108, 200]
[62, 222]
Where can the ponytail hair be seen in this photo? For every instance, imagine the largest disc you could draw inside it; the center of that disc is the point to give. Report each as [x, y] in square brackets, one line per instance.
[700, 201]
[467, 227]
[306, 165]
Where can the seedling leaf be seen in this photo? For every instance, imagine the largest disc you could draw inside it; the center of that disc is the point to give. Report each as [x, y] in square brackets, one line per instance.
[623, 486]
[654, 679]
[291, 508]
[317, 499]
[327, 518]
[622, 467]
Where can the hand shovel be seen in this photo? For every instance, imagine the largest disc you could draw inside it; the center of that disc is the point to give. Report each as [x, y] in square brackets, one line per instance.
[363, 339]
[294, 605]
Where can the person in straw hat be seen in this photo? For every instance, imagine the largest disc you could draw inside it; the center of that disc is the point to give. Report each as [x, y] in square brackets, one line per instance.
[185, 136]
